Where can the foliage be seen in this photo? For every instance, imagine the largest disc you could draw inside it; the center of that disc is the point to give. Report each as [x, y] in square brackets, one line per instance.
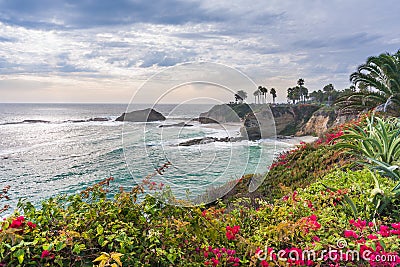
[240, 96]
[273, 93]
[379, 144]
[88, 228]
[382, 73]
[379, 140]
[4, 195]
[305, 164]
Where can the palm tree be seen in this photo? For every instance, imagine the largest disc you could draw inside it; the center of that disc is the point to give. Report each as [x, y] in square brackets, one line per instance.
[256, 94]
[381, 74]
[294, 94]
[302, 90]
[300, 82]
[272, 91]
[303, 93]
[264, 92]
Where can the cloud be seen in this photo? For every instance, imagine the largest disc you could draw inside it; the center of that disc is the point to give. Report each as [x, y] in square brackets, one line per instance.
[88, 13]
[274, 42]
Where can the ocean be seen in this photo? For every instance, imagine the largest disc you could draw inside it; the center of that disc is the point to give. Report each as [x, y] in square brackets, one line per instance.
[51, 149]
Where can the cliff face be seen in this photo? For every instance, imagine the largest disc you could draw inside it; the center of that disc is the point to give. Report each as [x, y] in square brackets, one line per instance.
[322, 120]
[289, 119]
[264, 121]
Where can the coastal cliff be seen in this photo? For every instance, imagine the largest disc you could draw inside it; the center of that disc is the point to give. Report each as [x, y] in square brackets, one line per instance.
[264, 121]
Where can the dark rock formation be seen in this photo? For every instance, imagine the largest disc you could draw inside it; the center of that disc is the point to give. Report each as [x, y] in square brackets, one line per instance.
[144, 115]
[206, 140]
[180, 124]
[98, 119]
[225, 113]
[35, 121]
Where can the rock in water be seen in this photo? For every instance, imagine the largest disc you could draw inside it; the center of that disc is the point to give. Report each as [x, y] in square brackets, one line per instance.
[180, 124]
[144, 115]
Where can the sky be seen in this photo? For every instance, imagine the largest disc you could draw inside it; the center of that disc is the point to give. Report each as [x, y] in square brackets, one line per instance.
[103, 51]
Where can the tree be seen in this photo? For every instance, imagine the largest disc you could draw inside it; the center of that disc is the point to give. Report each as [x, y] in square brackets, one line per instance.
[240, 96]
[272, 91]
[379, 82]
[328, 88]
[303, 91]
[318, 96]
[256, 94]
[300, 82]
[264, 92]
[294, 94]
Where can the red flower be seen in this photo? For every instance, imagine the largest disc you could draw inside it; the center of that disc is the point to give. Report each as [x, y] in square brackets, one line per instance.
[17, 222]
[31, 225]
[232, 231]
[45, 254]
[264, 263]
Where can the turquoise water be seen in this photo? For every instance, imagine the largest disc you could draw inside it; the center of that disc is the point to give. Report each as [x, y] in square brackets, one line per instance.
[43, 159]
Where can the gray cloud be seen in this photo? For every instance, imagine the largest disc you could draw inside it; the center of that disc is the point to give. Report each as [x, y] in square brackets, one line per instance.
[87, 13]
[275, 42]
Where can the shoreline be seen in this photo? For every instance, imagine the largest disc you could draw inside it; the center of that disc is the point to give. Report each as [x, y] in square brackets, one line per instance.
[297, 140]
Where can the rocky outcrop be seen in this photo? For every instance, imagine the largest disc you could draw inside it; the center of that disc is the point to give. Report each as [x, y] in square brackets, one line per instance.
[180, 124]
[268, 121]
[206, 140]
[225, 113]
[144, 115]
[322, 120]
[98, 119]
[258, 125]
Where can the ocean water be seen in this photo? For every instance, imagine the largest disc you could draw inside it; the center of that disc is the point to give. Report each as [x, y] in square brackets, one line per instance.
[63, 152]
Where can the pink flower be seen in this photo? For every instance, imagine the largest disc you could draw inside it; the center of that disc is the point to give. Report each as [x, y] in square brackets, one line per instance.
[384, 231]
[350, 233]
[264, 263]
[316, 238]
[372, 237]
[45, 254]
[313, 218]
[214, 261]
[396, 226]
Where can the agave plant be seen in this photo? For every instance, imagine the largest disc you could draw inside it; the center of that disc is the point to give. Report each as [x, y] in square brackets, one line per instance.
[378, 143]
[381, 74]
